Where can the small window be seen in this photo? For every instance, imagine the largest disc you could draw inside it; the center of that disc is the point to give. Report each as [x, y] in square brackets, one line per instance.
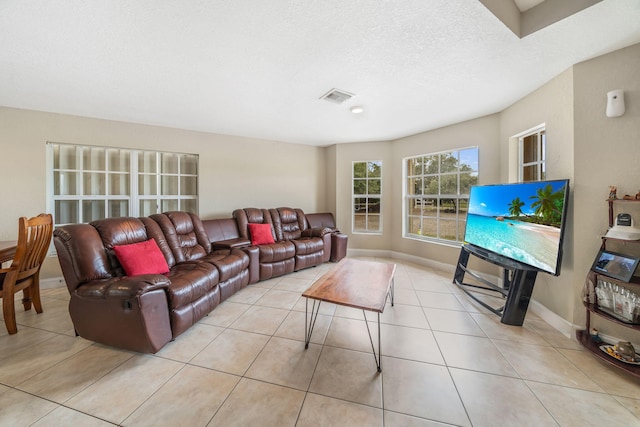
[436, 194]
[367, 197]
[531, 155]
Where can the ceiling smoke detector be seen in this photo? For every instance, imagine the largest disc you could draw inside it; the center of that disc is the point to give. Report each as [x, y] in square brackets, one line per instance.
[337, 96]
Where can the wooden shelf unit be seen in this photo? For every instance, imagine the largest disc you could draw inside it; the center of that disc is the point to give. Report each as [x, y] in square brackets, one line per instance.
[584, 336]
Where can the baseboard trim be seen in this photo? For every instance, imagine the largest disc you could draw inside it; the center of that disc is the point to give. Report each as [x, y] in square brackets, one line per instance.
[379, 253]
[557, 322]
[52, 282]
[563, 326]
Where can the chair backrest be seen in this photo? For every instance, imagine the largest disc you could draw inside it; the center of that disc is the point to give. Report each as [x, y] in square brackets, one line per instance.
[288, 223]
[34, 238]
[185, 235]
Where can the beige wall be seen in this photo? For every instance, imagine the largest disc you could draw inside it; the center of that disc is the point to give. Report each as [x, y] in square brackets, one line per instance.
[331, 180]
[552, 105]
[607, 152]
[234, 172]
[481, 132]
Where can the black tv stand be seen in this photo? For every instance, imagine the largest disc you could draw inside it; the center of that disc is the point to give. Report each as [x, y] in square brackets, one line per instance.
[518, 281]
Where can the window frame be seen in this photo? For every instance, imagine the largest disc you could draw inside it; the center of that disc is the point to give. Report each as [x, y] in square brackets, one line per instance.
[411, 179]
[540, 153]
[367, 196]
[79, 173]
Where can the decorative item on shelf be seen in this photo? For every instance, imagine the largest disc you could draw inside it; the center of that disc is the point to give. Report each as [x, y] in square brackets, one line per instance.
[626, 349]
[595, 336]
[627, 357]
[612, 264]
[613, 190]
[624, 228]
[619, 302]
[624, 219]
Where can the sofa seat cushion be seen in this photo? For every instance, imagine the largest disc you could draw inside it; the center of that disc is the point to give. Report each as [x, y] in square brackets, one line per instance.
[183, 317]
[275, 252]
[122, 287]
[306, 246]
[229, 262]
[190, 281]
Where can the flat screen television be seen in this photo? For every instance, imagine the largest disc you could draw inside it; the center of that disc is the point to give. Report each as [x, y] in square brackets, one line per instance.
[523, 222]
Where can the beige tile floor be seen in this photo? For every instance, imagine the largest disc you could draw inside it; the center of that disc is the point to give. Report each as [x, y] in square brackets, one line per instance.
[446, 361]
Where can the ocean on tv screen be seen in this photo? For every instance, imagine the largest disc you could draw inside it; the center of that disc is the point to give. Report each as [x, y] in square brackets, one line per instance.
[522, 221]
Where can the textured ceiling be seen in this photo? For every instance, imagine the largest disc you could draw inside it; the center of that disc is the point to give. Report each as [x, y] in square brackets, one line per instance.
[258, 68]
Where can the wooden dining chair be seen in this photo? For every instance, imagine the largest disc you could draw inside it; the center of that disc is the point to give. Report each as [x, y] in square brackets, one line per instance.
[34, 237]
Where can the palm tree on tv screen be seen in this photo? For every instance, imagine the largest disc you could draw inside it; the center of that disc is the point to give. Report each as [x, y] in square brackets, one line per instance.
[515, 207]
[548, 205]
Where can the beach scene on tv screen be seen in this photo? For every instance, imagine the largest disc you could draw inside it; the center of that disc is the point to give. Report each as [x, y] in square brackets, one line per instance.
[520, 221]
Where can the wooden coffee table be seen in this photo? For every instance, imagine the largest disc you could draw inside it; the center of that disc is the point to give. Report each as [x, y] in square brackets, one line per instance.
[353, 283]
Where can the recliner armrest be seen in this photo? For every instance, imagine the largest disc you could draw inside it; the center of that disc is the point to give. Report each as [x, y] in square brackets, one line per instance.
[123, 287]
[316, 232]
[239, 242]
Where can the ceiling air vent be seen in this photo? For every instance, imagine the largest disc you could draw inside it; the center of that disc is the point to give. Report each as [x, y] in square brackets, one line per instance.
[337, 96]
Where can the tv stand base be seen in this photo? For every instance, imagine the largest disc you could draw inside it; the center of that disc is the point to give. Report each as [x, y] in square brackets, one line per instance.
[517, 285]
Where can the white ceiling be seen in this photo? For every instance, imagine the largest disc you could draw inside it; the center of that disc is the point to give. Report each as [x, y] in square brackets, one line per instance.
[258, 68]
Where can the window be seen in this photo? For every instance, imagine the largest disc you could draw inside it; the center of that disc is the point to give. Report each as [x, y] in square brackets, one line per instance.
[437, 194]
[367, 197]
[87, 183]
[531, 155]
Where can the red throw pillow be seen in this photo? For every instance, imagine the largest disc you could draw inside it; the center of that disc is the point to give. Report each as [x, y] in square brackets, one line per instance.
[141, 258]
[261, 234]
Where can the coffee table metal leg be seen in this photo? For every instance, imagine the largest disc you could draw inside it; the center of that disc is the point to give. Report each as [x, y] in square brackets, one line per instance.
[309, 323]
[380, 342]
[377, 358]
[392, 290]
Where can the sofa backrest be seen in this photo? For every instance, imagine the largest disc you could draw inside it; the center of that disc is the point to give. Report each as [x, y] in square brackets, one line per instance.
[82, 254]
[288, 223]
[122, 231]
[247, 216]
[86, 251]
[321, 220]
[220, 229]
[185, 235]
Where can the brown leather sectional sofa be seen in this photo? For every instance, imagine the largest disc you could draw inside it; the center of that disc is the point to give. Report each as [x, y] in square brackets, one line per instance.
[207, 261]
[295, 246]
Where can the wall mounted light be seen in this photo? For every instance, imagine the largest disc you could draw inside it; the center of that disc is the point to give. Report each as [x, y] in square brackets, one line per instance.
[357, 109]
[615, 103]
